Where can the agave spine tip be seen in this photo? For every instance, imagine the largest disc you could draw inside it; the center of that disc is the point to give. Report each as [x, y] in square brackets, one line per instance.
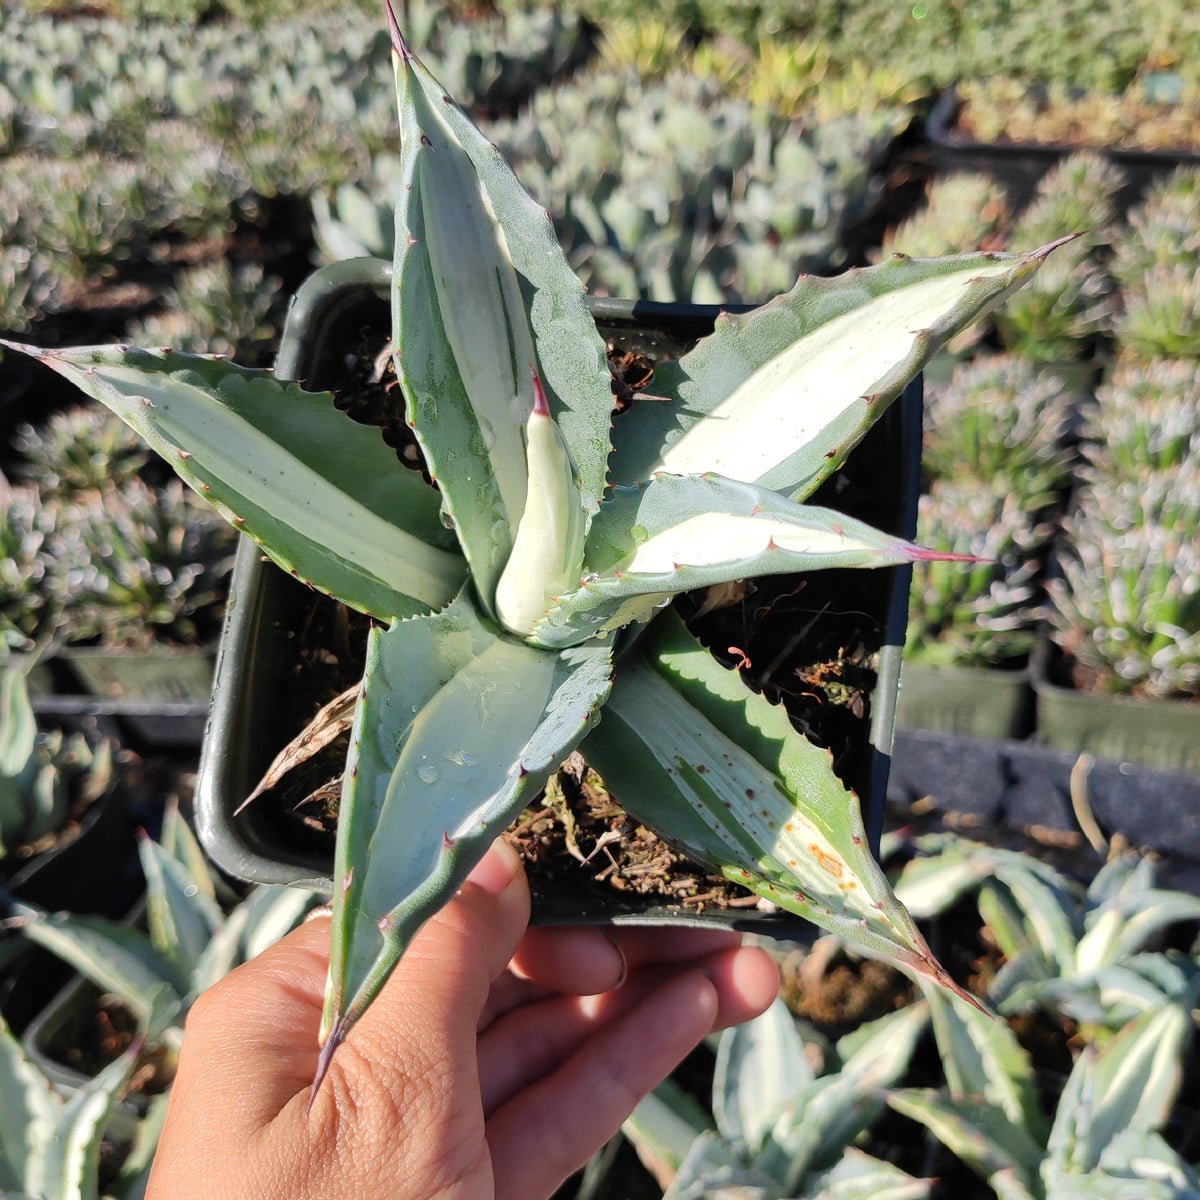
[399, 45]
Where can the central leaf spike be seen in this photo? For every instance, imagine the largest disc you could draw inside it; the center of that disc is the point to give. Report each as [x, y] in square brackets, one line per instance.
[547, 554]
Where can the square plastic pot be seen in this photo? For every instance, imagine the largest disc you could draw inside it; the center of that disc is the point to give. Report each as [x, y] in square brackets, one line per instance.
[265, 603]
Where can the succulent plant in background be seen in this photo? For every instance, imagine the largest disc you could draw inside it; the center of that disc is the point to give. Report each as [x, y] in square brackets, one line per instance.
[502, 594]
[1104, 1137]
[135, 563]
[779, 1127]
[215, 309]
[45, 776]
[187, 941]
[1145, 421]
[1006, 109]
[1002, 423]
[1126, 610]
[26, 287]
[1090, 955]
[980, 613]
[1163, 231]
[962, 212]
[1055, 318]
[50, 1145]
[24, 525]
[1078, 196]
[79, 450]
[1161, 317]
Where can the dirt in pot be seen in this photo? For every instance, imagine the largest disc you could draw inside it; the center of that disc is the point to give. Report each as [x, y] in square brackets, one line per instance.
[807, 642]
[96, 1032]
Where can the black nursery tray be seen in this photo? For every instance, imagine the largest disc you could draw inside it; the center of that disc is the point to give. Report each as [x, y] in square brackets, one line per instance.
[1019, 166]
[981, 784]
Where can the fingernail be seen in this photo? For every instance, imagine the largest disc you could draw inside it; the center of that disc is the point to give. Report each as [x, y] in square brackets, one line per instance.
[495, 871]
[612, 941]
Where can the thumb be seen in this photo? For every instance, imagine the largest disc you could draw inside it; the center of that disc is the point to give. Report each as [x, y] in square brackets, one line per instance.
[256, 1029]
[429, 1010]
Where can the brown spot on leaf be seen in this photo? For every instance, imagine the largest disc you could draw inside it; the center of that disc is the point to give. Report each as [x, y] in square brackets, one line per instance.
[829, 863]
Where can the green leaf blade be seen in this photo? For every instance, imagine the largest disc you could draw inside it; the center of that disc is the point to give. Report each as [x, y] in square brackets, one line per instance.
[443, 755]
[483, 300]
[678, 533]
[719, 772]
[816, 367]
[115, 957]
[28, 1115]
[323, 496]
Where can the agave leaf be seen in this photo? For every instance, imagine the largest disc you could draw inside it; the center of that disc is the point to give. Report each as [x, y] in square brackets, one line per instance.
[715, 769]
[677, 533]
[713, 1170]
[1171, 972]
[1130, 1084]
[181, 919]
[18, 765]
[1124, 924]
[442, 757]
[1108, 996]
[259, 921]
[981, 1057]
[760, 1068]
[477, 315]
[932, 883]
[115, 957]
[1003, 917]
[780, 395]
[1122, 874]
[27, 1116]
[47, 803]
[978, 1133]
[180, 843]
[817, 1127]
[663, 1127]
[323, 495]
[135, 1170]
[72, 1159]
[1041, 894]
[842, 1105]
[1134, 1163]
[859, 1176]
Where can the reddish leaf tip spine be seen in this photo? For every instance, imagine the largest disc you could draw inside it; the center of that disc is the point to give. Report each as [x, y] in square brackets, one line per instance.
[541, 405]
[399, 45]
[332, 1041]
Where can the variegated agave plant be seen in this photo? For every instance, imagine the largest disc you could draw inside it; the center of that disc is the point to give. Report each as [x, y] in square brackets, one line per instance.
[502, 595]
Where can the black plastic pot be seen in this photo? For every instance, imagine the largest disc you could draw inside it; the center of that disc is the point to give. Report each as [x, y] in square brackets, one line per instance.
[1019, 166]
[266, 607]
[86, 874]
[76, 1003]
[1163, 735]
[977, 701]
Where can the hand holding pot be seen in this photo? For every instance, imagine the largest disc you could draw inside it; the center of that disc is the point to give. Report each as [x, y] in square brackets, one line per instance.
[495, 1062]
